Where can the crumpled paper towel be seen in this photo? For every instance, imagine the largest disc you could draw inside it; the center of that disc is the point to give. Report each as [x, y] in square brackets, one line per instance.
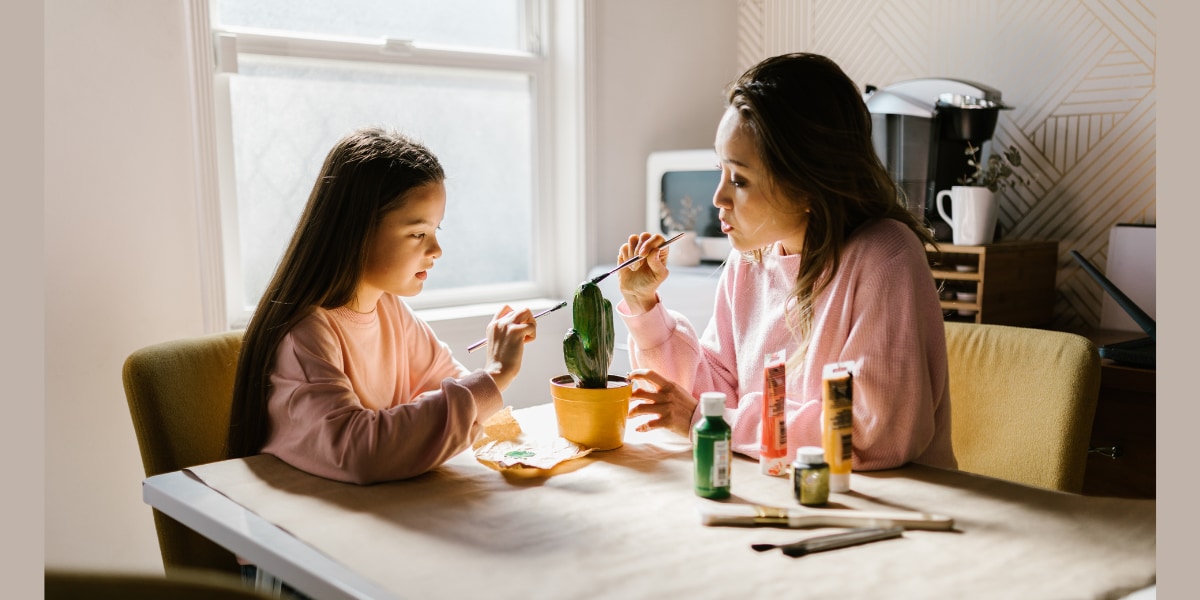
[505, 447]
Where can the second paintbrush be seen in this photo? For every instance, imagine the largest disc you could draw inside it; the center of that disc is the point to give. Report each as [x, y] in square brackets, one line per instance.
[483, 342]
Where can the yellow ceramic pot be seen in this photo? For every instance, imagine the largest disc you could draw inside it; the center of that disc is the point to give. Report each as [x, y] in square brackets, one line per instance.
[594, 418]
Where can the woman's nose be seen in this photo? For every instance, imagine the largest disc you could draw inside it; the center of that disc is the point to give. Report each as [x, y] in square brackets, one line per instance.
[720, 196]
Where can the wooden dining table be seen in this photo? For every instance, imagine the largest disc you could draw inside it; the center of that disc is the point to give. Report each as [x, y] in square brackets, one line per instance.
[626, 523]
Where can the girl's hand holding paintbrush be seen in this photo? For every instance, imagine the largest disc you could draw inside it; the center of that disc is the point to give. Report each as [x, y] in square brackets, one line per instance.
[482, 342]
[507, 335]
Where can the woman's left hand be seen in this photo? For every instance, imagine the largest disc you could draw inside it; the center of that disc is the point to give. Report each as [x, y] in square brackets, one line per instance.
[671, 404]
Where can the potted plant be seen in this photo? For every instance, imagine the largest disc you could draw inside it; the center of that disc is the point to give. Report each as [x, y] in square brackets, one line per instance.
[973, 214]
[590, 405]
[996, 172]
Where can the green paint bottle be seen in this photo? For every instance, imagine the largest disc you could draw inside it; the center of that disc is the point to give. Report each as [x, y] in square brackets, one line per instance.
[711, 448]
[810, 476]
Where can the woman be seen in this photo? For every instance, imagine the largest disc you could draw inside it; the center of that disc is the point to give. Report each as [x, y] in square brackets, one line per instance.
[827, 265]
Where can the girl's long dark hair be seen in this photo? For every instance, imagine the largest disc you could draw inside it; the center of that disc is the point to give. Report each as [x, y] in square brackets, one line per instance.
[366, 174]
[813, 133]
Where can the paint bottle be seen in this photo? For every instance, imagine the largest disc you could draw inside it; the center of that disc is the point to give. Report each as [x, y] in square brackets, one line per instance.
[810, 476]
[711, 448]
[837, 419]
[773, 448]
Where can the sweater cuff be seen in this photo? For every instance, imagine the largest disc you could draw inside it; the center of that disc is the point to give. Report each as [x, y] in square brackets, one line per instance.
[650, 329]
[488, 400]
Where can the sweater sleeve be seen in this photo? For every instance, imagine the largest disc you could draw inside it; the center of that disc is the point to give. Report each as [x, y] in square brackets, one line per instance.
[320, 425]
[891, 323]
[666, 341]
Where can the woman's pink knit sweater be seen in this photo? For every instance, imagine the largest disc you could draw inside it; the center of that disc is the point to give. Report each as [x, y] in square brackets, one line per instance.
[881, 310]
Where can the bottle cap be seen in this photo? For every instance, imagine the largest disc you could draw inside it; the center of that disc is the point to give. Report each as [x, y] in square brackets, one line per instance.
[810, 455]
[839, 482]
[712, 404]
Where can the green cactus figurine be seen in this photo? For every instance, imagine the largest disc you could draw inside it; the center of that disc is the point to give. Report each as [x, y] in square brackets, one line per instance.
[588, 346]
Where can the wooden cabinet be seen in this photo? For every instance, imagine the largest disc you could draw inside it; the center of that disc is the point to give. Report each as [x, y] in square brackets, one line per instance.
[1005, 283]
[1121, 452]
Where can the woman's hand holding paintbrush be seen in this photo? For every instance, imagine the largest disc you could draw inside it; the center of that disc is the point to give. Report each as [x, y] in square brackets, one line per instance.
[638, 257]
[646, 256]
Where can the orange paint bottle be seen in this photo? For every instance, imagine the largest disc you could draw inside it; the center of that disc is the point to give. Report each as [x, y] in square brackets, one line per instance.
[772, 450]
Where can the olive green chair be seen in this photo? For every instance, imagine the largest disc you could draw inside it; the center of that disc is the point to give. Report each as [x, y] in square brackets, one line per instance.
[1022, 402]
[180, 394]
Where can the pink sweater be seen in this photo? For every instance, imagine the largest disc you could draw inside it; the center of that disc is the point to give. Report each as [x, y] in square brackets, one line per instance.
[374, 397]
[881, 309]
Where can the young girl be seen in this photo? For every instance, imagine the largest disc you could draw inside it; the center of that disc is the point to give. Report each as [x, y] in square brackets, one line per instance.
[336, 375]
[834, 269]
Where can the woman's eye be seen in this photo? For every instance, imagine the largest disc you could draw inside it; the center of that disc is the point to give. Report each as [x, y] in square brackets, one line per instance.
[419, 236]
[737, 183]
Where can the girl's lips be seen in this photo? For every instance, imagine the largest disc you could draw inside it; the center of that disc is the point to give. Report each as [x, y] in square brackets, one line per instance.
[726, 227]
[422, 275]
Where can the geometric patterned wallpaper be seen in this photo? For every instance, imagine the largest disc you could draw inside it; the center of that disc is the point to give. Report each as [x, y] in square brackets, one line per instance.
[1079, 74]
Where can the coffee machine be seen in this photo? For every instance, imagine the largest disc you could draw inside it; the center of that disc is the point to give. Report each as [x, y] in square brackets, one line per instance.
[921, 129]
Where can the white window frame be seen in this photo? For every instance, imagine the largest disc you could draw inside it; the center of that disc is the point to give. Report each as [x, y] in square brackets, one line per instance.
[560, 71]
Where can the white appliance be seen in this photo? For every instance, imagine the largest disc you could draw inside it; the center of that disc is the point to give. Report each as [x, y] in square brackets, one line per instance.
[683, 183]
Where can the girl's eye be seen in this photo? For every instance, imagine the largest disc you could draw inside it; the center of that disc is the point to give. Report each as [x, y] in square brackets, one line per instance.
[735, 182]
[421, 235]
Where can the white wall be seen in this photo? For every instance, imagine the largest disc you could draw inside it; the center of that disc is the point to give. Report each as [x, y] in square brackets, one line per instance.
[121, 231]
[121, 259]
[21, 263]
[662, 69]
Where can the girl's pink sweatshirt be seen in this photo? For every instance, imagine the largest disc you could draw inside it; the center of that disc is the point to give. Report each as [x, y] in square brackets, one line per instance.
[881, 310]
[372, 397]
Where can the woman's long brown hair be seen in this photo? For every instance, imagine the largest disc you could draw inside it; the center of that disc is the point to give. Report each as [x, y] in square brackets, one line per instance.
[366, 174]
[813, 133]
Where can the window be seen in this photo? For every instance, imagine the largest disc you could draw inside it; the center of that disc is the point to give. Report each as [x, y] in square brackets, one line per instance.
[472, 79]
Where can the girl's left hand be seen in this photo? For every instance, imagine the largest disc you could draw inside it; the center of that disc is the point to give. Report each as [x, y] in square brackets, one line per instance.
[671, 404]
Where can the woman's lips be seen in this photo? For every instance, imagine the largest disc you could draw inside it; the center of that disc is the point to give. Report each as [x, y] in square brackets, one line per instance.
[726, 227]
[422, 275]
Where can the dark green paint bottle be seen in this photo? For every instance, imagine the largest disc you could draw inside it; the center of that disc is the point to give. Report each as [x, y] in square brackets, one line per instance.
[711, 448]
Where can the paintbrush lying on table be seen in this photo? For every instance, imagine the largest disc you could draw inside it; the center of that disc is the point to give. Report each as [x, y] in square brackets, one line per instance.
[834, 541]
[753, 515]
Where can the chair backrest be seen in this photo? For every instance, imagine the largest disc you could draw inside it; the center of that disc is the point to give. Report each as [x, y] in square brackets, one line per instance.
[180, 394]
[1022, 402]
